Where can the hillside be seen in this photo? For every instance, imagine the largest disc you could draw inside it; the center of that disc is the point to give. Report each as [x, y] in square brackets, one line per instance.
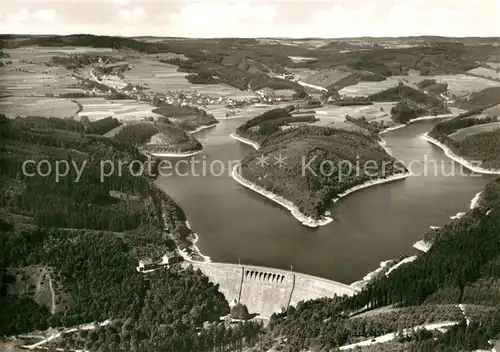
[75, 231]
[261, 127]
[73, 236]
[433, 87]
[476, 143]
[331, 157]
[186, 117]
[249, 62]
[461, 268]
[158, 138]
[481, 100]
[412, 103]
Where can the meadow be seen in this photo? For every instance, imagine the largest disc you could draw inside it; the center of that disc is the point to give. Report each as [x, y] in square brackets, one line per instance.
[493, 111]
[123, 110]
[334, 116]
[459, 85]
[464, 133]
[26, 72]
[163, 78]
[486, 72]
[368, 88]
[38, 106]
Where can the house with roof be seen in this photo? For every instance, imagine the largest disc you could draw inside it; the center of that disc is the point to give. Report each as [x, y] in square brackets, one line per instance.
[145, 265]
[170, 258]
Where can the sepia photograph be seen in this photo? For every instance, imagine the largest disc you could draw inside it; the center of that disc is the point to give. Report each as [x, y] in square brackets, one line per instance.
[250, 176]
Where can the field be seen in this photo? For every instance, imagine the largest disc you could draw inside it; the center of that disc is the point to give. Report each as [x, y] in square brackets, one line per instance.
[68, 50]
[163, 78]
[459, 85]
[326, 78]
[493, 65]
[298, 59]
[301, 72]
[485, 72]
[28, 74]
[33, 106]
[123, 110]
[219, 110]
[308, 44]
[493, 111]
[334, 116]
[40, 283]
[464, 133]
[368, 88]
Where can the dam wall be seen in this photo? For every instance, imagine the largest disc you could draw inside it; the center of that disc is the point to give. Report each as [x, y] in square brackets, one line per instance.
[267, 290]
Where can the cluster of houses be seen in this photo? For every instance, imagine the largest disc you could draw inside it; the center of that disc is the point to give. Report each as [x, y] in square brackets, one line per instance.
[168, 259]
[268, 95]
[198, 99]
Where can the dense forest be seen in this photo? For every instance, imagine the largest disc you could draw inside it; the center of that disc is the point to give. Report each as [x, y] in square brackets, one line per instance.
[336, 160]
[186, 117]
[411, 104]
[158, 137]
[88, 233]
[462, 267]
[433, 87]
[82, 234]
[263, 126]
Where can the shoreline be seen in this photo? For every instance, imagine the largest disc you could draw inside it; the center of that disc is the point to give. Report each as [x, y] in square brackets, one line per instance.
[385, 267]
[424, 246]
[201, 128]
[450, 154]
[401, 263]
[244, 140]
[194, 248]
[173, 155]
[294, 210]
[312, 86]
[474, 203]
[360, 284]
[302, 218]
[375, 182]
[422, 118]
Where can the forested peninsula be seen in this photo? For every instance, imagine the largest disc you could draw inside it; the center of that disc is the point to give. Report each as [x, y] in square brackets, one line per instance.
[312, 166]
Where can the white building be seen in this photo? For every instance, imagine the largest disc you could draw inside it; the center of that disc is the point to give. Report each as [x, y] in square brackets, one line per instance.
[169, 258]
[144, 263]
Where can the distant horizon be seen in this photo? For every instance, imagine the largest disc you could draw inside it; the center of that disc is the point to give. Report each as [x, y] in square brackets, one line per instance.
[270, 38]
[269, 19]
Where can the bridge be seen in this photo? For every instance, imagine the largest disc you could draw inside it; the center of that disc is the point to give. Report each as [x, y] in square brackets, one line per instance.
[266, 290]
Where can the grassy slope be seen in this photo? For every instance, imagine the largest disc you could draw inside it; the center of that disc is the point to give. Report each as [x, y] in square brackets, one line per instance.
[483, 146]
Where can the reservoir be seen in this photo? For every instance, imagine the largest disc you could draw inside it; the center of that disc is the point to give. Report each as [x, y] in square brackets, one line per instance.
[372, 225]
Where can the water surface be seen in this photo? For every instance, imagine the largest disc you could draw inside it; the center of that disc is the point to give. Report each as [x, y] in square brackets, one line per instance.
[369, 226]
